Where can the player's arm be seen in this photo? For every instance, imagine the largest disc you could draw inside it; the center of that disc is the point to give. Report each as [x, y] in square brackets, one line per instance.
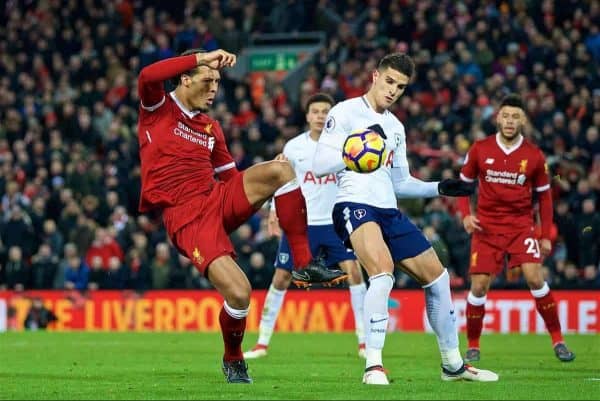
[222, 161]
[328, 157]
[407, 186]
[469, 173]
[151, 78]
[541, 182]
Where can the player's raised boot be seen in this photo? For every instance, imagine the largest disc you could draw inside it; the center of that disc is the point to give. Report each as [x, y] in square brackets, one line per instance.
[469, 373]
[258, 351]
[317, 273]
[236, 372]
[563, 353]
[472, 355]
[362, 350]
[375, 375]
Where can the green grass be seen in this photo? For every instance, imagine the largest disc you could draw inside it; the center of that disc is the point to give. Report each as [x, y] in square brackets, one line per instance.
[50, 365]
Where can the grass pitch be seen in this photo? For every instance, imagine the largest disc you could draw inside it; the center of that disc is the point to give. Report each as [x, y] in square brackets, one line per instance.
[49, 365]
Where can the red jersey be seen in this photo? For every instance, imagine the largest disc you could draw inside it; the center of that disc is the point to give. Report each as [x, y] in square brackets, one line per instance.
[507, 178]
[180, 150]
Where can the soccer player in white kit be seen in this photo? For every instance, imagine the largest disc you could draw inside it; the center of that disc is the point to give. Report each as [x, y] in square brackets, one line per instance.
[320, 194]
[366, 217]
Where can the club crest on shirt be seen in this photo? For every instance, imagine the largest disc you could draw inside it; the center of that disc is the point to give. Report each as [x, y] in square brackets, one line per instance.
[198, 258]
[474, 259]
[360, 213]
[523, 166]
[284, 257]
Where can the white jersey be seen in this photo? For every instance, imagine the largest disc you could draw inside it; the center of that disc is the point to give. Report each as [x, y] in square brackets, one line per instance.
[319, 192]
[376, 188]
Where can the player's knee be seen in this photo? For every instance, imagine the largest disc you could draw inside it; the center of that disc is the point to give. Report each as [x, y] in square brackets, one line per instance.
[478, 289]
[535, 283]
[239, 298]
[281, 172]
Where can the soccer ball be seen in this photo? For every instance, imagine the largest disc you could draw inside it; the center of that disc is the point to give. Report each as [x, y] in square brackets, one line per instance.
[364, 151]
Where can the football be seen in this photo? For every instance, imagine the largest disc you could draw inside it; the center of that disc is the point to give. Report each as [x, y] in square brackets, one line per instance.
[364, 151]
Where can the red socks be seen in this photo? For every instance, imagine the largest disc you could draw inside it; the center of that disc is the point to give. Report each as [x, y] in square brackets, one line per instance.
[291, 211]
[233, 334]
[546, 307]
[475, 314]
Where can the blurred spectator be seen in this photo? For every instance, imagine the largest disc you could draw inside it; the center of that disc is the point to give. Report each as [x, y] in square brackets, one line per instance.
[76, 273]
[38, 317]
[140, 276]
[17, 272]
[43, 268]
[160, 266]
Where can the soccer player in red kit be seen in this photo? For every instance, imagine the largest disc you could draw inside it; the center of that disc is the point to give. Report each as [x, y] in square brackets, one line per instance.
[509, 170]
[181, 150]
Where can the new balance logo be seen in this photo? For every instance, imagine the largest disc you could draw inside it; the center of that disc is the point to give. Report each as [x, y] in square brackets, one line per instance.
[489, 160]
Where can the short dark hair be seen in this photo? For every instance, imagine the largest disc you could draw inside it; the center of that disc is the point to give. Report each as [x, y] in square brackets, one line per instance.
[512, 100]
[176, 80]
[398, 61]
[319, 97]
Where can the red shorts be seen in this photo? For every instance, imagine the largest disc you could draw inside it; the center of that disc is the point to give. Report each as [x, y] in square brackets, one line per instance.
[488, 250]
[207, 237]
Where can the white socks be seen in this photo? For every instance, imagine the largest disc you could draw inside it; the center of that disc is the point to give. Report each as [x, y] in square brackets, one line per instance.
[376, 316]
[440, 312]
[270, 311]
[357, 300]
[235, 313]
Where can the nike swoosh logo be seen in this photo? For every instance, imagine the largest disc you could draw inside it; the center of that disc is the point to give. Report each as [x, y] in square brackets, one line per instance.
[300, 275]
[380, 320]
[452, 312]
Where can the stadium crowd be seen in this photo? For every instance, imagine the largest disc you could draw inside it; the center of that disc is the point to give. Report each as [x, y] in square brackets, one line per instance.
[69, 180]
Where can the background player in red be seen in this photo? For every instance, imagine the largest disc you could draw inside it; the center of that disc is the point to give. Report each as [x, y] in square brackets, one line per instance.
[509, 169]
[181, 150]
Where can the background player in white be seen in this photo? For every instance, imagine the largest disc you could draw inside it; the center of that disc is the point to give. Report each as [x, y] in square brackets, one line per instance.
[320, 196]
[367, 218]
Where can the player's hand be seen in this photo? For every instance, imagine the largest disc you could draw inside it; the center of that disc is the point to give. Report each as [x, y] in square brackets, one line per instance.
[456, 187]
[273, 228]
[216, 59]
[545, 246]
[379, 129]
[471, 224]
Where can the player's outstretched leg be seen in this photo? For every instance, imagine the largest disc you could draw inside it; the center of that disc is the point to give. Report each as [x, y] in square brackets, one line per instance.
[317, 273]
[291, 211]
[440, 312]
